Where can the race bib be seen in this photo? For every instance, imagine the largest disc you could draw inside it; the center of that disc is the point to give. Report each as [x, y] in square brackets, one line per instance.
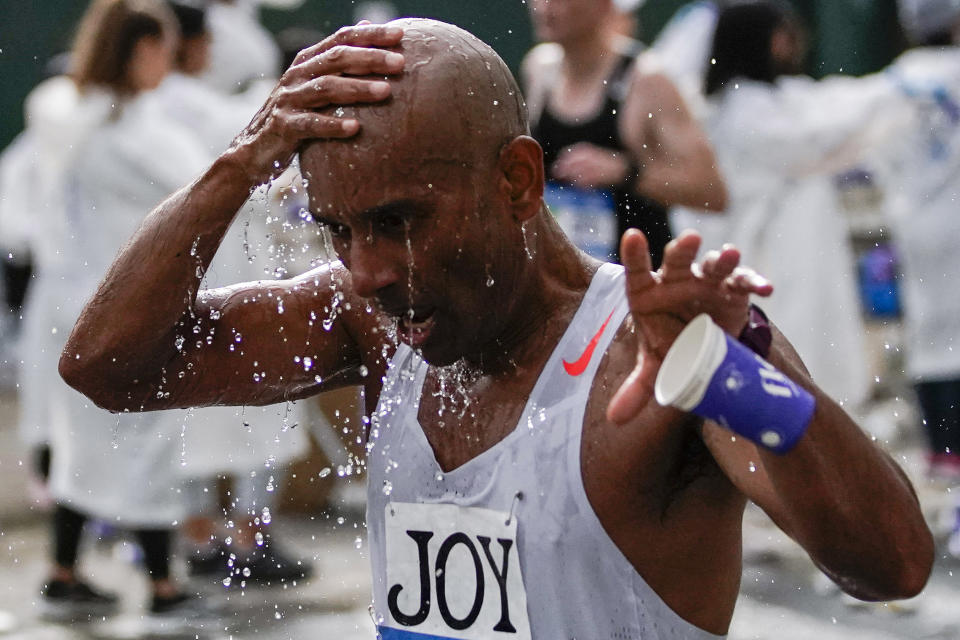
[587, 216]
[452, 572]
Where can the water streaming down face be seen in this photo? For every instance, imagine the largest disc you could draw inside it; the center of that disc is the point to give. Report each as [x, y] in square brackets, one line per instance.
[413, 202]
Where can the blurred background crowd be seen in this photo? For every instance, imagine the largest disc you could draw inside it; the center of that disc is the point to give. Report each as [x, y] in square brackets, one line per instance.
[822, 137]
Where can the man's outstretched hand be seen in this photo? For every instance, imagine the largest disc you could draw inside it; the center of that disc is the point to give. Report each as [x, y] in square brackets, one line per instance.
[663, 302]
[330, 73]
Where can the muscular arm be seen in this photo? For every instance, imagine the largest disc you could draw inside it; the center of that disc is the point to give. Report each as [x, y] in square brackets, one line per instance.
[149, 340]
[678, 165]
[837, 494]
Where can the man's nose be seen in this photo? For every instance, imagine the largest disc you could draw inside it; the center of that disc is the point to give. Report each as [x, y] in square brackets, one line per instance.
[371, 269]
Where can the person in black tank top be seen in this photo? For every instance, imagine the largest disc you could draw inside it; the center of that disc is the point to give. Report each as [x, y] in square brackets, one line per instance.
[633, 210]
[620, 145]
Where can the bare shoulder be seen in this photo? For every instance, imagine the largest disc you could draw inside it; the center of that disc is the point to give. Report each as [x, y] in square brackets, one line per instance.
[649, 83]
[660, 444]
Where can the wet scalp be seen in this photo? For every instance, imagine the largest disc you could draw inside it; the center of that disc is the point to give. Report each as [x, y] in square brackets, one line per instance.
[455, 100]
[462, 72]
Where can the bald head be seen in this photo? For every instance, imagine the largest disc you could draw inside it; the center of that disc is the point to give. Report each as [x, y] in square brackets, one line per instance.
[455, 101]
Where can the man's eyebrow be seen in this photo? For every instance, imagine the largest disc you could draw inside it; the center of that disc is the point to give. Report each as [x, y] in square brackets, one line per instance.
[403, 207]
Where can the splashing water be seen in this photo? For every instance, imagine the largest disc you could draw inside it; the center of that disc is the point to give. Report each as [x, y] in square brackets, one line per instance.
[183, 437]
[526, 242]
[115, 435]
[453, 384]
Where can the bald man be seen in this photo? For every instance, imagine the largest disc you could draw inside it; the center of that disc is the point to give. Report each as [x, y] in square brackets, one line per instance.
[522, 481]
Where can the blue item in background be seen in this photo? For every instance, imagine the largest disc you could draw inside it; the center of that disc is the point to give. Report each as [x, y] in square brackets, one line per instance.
[587, 216]
[879, 289]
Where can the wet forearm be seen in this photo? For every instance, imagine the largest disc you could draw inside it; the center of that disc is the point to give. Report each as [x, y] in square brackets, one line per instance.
[827, 491]
[126, 328]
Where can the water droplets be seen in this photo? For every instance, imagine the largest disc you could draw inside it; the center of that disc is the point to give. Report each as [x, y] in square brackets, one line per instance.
[526, 241]
[453, 383]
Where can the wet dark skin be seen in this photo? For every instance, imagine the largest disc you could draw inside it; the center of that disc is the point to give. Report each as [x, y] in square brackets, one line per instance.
[431, 191]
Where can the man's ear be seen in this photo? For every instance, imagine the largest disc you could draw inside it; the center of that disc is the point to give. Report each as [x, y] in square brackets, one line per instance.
[521, 176]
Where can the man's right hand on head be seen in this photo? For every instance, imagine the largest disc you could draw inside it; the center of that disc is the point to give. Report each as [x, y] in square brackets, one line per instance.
[329, 73]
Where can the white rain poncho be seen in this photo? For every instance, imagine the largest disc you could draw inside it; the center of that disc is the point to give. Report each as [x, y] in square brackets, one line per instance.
[779, 147]
[242, 51]
[921, 170]
[33, 220]
[123, 159]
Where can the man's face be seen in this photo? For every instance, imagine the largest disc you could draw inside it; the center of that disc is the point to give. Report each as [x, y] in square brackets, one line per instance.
[423, 240]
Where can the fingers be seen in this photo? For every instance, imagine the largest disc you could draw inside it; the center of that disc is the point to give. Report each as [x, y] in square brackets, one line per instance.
[744, 280]
[349, 60]
[717, 265]
[725, 266]
[308, 124]
[635, 257]
[679, 255]
[325, 90]
[632, 396]
[360, 35]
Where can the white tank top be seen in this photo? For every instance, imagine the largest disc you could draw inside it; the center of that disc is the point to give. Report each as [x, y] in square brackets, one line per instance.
[506, 545]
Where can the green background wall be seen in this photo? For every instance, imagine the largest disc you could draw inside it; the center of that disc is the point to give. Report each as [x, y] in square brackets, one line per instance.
[849, 36]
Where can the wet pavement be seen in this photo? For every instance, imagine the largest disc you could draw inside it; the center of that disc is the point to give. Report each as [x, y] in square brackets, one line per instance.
[782, 595]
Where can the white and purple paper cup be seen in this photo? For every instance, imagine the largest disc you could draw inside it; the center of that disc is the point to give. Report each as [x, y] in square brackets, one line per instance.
[710, 374]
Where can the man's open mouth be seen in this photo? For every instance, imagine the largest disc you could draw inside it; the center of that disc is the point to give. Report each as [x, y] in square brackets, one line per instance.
[415, 326]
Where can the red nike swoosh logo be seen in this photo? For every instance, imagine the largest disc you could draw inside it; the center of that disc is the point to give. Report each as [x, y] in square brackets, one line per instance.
[580, 364]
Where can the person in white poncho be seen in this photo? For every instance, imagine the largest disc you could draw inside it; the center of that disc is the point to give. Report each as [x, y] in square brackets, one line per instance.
[102, 153]
[920, 169]
[779, 139]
